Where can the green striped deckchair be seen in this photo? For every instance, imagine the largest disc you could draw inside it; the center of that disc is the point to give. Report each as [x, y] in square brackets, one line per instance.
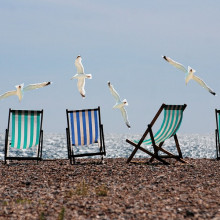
[173, 115]
[26, 132]
[217, 133]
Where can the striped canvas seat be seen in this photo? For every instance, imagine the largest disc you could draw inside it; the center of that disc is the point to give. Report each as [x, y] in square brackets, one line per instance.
[171, 122]
[24, 132]
[25, 129]
[84, 128]
[173, 115]
[217, 133]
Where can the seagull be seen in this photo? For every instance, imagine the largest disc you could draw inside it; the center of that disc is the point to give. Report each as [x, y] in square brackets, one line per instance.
[20, 89]
[81, 76]
[189, 74]
[119, 104]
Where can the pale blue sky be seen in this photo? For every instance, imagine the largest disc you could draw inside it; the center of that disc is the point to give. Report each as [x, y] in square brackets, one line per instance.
[119, 41]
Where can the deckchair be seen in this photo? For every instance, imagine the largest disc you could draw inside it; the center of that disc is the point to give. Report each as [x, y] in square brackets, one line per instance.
[26, 133]
[172, 120]
[84, 128]
[217, 134]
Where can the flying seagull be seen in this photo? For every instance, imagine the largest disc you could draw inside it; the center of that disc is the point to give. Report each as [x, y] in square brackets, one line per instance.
[20, 89]
[81, 76]
[189, 74]
[119, 104]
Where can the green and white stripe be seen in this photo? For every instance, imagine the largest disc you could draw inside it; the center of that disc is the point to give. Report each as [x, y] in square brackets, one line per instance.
[25, 129]
[170, 125]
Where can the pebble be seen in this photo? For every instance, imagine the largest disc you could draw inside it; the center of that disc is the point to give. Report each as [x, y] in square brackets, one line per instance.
[113, 190]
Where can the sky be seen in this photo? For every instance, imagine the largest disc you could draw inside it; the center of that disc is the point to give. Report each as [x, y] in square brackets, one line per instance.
[119, 41]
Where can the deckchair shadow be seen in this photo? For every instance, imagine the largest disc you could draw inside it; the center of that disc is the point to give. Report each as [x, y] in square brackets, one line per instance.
[217, 134]
[84, 129]
[173, 115]
[26, 134]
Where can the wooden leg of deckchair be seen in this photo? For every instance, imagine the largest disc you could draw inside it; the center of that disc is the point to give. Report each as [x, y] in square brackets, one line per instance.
[7, 161]
[178, 146]
[134, 151]
[159, 148]
[73, 161]
[152, 158]
[171, 155]
[102, 159]
[153, 144]
[217, 144]
[153, 155]
[137, 147]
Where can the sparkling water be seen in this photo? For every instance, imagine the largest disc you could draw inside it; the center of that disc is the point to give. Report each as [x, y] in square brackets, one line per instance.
[54, 146]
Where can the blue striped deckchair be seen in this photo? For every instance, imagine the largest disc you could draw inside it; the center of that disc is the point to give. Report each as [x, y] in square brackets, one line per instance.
[217, 133]
[84, 128]
[26, 133]
[173, 115]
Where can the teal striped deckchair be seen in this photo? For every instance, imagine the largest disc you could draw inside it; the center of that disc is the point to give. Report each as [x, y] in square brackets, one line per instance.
[217, 134]
[26, 133]
[173, 115]
[84, 128]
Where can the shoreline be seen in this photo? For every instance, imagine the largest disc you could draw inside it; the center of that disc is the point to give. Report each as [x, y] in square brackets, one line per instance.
[54, 189]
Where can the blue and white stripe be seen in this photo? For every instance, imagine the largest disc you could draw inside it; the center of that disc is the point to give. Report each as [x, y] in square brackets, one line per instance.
[84, 127]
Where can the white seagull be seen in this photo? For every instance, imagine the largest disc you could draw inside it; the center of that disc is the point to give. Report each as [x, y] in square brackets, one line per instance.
[81, 76]
[20, 89]
[189, 74]
[119, 104]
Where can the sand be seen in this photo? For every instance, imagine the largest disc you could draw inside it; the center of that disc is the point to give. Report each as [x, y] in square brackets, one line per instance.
[113, 190]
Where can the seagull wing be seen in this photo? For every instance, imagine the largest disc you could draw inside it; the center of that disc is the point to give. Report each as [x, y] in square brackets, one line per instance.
[79, 66]
[203, 84]
[81, 87]
[125, 116]
[7, 94]
[113, 92]
[176, 64]
[36, 86]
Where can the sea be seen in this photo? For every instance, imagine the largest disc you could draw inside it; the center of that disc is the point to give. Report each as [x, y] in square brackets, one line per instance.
[55, 147]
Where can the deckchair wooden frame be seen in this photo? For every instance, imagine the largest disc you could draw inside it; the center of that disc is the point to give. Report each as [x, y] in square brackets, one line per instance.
[39, 147]
[71, 155]
[217, 112]
[156, 147]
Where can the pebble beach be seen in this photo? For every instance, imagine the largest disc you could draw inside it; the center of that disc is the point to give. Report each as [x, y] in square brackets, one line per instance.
[54, 189]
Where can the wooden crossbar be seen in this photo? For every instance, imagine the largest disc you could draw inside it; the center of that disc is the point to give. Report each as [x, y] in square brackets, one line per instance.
[155, 146]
